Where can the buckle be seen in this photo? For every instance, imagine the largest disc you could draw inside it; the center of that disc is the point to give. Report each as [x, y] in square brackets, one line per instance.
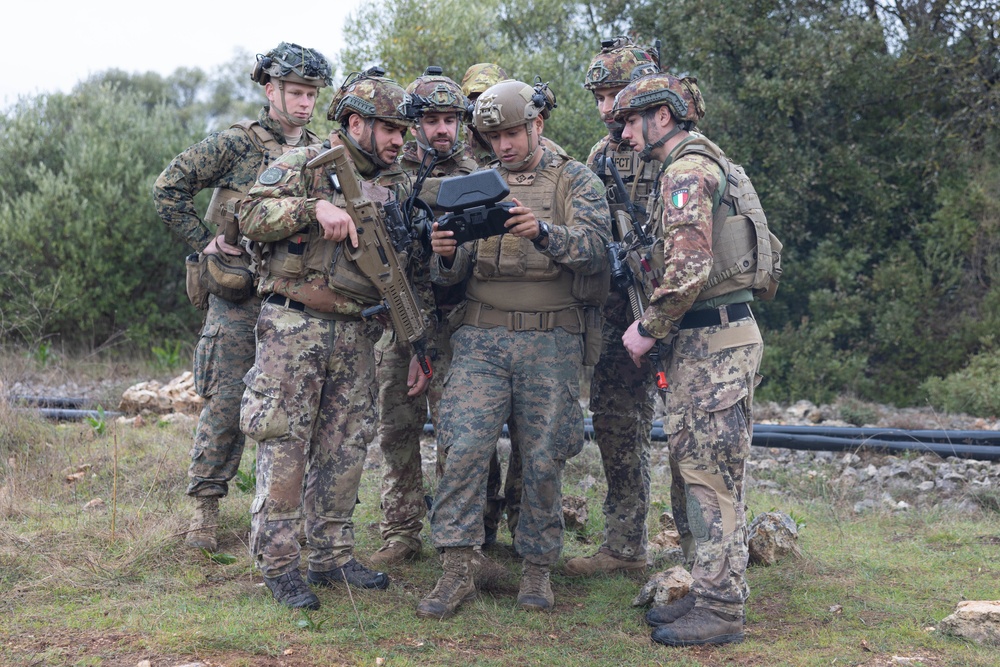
[521, 321]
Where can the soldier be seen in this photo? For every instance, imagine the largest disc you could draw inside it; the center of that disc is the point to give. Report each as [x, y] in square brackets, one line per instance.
[230, 162]
[518, 353]
[621, 395]
[308, 400]
[442, 110]
[701, 311]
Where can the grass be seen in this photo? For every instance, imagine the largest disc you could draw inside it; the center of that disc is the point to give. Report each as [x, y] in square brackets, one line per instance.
[114, 585]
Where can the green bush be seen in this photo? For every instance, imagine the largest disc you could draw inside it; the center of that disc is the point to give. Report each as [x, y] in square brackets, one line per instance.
[973, 390]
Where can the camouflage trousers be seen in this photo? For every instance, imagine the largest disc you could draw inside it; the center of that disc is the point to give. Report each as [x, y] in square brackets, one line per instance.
[621, 399]
[712, 374]
[529, 379]
[310, 405]
[224, 354]
[401, 422]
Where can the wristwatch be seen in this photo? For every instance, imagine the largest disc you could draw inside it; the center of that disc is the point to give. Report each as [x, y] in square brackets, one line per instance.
[543, 233]
[642, 331]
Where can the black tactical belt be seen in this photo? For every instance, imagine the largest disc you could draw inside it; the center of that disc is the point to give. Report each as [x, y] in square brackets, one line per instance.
[713, 316]
[292, 304]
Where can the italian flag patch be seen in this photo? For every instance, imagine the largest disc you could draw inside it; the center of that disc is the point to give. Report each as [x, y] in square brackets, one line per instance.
[679, 197]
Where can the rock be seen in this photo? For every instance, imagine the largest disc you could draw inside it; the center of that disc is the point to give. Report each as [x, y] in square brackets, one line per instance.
[178, 395]
[664, 587]
[587, 482]
[977, 620]
[95, 504]
[773, 536]
[925, 486]
[574, 512]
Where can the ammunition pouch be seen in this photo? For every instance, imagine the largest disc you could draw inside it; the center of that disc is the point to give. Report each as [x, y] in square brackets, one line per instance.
[227, 276]
[197, 295]
[593, 335]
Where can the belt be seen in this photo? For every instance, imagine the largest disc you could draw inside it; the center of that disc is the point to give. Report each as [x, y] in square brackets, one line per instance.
[484, 316]
[292, 304]
[713, 316]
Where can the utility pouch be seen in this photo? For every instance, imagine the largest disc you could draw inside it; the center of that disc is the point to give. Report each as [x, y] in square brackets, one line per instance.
[227, 276]
[197, 295]
[593, 335]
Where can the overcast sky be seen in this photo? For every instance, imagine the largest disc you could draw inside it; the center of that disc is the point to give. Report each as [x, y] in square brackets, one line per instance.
[50, 46]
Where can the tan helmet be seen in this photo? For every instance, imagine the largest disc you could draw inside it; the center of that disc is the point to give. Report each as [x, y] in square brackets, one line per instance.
[619, 62]
[511, 103]
[370, 94]
[481, 76]
[294, 63]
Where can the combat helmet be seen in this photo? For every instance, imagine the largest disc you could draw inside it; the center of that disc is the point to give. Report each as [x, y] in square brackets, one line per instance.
[619, 62]
[432, 92]
[512, 103]
[294, 64]
[371, 95]
[648, 93]
[481, 76]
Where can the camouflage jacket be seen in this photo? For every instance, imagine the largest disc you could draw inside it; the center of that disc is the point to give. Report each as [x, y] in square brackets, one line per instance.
[688, 194]
[283, 202]
[578, 247]
[227, 159]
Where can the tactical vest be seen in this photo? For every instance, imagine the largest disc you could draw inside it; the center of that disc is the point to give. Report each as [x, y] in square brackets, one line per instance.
[745, 254]
[507, 258]
[639, 178]
[307, 251]
[224, 207]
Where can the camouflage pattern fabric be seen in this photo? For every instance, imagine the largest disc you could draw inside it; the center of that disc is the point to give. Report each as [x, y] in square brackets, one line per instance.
[228, 159]
[712, 373]
[621, 400]
[529, 379]
[402, 417]
[224, 354]
[310, 404]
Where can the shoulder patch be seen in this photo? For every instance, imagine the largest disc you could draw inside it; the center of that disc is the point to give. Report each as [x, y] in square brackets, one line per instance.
[271, 176]
[680, 197]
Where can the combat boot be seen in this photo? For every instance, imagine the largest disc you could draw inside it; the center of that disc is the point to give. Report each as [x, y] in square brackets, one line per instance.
[354, 573]
[536, 590]
[201, 532]
[701, 626]
[393, 552]
[603, 562]
[456, 585]
[291, 591]
[669, 613]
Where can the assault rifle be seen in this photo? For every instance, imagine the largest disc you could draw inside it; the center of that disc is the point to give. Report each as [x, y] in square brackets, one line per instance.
[473, 204]
[621, 274]
[378, 257]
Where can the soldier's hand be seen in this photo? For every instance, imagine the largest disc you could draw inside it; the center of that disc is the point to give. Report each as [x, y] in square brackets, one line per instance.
[336, 223]
[522, 222]
[636, 344]
[442, 242]
[415, 378]
[218, 244]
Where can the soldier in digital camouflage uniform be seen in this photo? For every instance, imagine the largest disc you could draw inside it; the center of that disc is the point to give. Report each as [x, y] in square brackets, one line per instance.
[519, 351]
[705, 319]
[309, 400]
[442, 109]
[621, 395]
[230, 162]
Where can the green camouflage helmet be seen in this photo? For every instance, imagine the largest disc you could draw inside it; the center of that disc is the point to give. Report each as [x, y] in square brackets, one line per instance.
[292, 63]
[618, 63]
[481, 76]
[370, 94]
[509, 104]
[433, 91]
[655, 90]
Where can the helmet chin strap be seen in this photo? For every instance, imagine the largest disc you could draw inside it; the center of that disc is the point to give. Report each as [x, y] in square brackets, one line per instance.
[531, 154]
[283, 112]
[646, 154]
